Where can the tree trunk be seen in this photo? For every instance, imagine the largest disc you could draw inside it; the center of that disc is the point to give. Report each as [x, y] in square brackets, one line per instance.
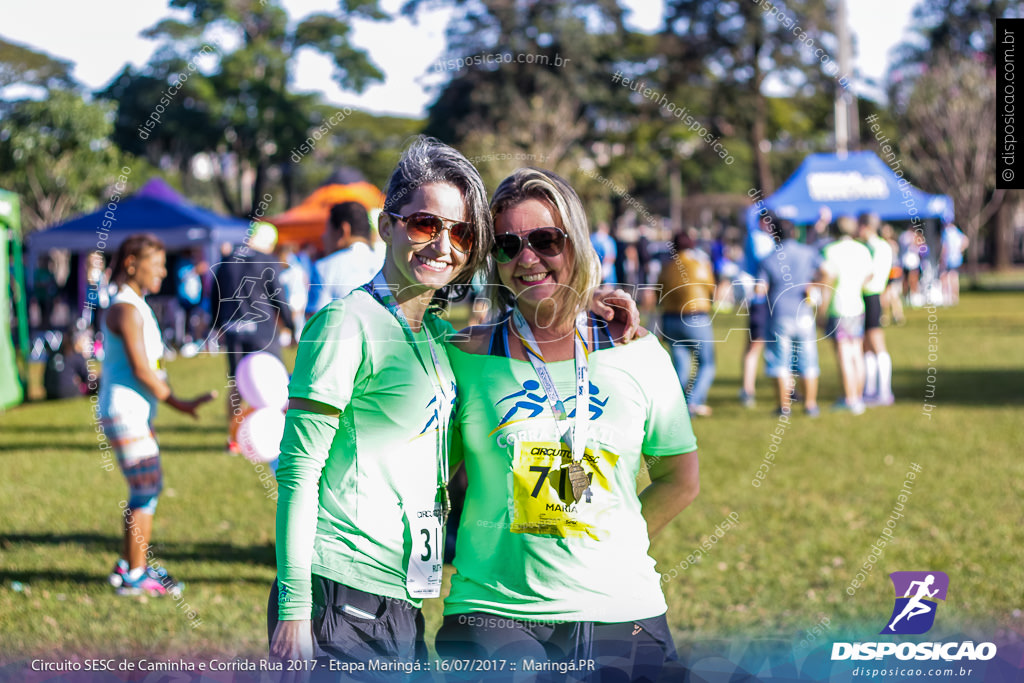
[764, 171]
[259, 179]
[225, 193]
[1002, 238]
[758, 131]
[974, 249]
[288, 183]
[675, 210]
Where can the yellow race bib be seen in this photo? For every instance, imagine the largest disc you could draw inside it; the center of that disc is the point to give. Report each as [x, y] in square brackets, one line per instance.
[542, 495]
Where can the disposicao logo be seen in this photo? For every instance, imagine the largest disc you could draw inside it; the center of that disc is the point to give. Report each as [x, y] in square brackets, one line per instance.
[917, 596]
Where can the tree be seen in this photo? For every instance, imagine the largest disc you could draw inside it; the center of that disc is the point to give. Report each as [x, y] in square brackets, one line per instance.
[239, 112]
[57, 155]
[946, 148]
[731, 48]
[21, 64]
[530, 81]
[371, 144]
[539, 83]
[172, 136]
[943, 29]
[957, 35]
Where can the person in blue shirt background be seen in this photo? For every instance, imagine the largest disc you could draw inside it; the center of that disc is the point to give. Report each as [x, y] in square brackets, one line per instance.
[790, 273]
[604, 245]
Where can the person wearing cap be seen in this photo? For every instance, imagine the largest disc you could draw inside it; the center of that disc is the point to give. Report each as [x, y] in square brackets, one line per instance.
[248, 302]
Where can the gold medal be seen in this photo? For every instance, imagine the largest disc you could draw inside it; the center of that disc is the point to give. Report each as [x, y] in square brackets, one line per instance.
[579, 480]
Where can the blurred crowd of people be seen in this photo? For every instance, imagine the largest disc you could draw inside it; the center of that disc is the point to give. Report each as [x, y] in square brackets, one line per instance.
[841, 280]
[257, 296]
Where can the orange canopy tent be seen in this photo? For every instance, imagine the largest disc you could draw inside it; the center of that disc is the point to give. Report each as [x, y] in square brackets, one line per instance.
[305, 223]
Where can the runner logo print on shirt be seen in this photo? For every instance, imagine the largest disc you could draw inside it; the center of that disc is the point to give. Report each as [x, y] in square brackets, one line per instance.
[530, 402]
[426, 522]
[435, 413]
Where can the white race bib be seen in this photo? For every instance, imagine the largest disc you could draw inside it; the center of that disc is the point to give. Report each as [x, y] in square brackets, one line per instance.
[423, 575]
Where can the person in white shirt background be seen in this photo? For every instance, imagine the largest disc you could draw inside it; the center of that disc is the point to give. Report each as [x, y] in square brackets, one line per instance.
[295, 281]
[954, 244]
[351, 261]
[877, 361]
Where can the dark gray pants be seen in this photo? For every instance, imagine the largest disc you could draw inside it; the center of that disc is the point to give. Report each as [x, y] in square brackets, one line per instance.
[637, 651]
[394, 634]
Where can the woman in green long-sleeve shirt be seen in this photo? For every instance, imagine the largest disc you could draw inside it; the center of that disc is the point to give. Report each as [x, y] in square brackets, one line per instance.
[363, 467]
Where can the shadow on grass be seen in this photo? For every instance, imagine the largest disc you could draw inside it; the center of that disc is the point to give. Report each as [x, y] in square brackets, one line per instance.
[89, 540]
[991, 387]
[260, 555]
[30, 577]
[18, 448]
[41, 428]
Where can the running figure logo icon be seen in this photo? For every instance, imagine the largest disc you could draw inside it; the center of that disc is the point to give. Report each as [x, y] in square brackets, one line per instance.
[435, 412]
[531, 401]
[917, 595]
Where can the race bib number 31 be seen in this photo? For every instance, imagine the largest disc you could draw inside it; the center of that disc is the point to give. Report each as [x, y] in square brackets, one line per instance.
[542, 495]
[423, 575]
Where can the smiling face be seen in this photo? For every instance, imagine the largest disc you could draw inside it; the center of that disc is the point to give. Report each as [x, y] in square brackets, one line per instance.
[147, 271]
[530, 276]
[430, 265]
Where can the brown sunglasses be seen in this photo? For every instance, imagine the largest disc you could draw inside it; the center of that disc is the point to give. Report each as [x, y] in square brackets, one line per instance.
[425, 227]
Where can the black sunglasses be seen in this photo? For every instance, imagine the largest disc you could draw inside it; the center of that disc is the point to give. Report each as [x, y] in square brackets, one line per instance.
[424, 227]
[544, 241]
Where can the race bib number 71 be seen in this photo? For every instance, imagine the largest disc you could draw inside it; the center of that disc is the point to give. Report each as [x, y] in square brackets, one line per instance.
[542, 495]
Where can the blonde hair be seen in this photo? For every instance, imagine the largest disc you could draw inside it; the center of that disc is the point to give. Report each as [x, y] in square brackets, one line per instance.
[565, 205]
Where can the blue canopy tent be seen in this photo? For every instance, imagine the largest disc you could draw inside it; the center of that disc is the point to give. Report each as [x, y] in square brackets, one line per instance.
[155, 208]
[860, 182]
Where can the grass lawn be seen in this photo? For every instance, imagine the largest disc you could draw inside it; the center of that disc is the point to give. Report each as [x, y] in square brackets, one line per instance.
[783, 570]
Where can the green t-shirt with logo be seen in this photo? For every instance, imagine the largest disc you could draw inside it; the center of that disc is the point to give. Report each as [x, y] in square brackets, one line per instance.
[345, 509]
[525, 548]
